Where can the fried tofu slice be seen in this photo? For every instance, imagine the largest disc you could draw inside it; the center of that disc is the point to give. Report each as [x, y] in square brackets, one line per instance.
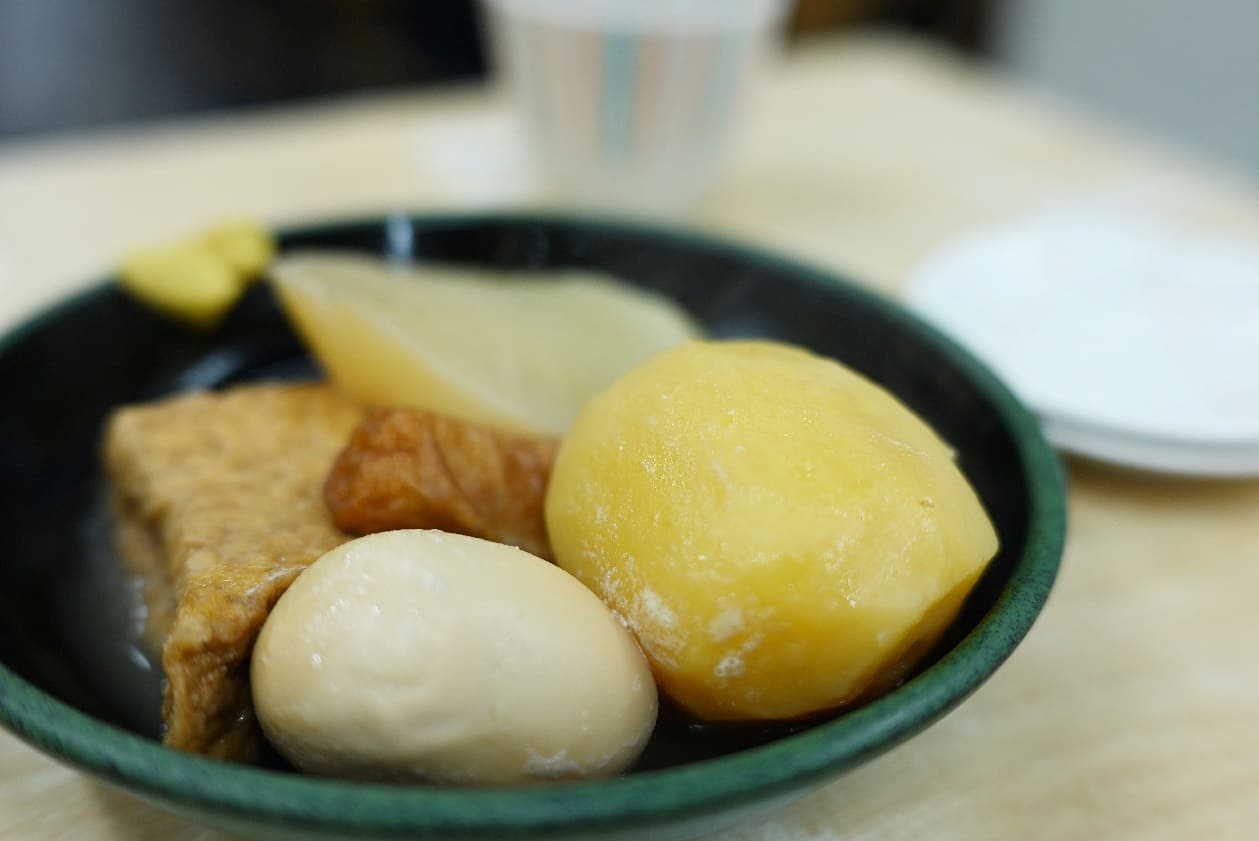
[408, 468]
[218, 505]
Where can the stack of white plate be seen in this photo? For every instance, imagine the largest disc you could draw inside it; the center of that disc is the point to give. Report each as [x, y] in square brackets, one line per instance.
[1136, 341]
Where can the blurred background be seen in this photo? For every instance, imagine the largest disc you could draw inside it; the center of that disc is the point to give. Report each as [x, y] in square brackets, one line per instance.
[1182, 70]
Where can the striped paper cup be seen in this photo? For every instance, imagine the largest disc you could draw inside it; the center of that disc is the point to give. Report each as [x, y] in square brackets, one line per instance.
[626, 104]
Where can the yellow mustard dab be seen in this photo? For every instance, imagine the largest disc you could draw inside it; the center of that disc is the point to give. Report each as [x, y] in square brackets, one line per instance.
[246, 245]
[199, 279]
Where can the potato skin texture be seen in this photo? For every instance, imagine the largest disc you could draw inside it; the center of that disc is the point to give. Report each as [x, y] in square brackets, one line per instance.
[782, 536]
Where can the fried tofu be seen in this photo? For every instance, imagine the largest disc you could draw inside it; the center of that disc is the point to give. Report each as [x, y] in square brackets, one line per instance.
[407, 468]
[218, 503]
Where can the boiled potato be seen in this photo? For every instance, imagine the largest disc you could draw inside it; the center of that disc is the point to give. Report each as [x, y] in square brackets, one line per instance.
[782, 535]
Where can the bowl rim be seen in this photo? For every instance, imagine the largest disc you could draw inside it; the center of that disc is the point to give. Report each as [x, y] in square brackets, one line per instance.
[256, 795]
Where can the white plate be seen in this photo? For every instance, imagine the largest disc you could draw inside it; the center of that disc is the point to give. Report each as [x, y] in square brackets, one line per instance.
[1136, 341]
[1179, 456]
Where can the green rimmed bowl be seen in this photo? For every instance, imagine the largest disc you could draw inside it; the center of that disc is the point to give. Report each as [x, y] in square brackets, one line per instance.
[72, 684]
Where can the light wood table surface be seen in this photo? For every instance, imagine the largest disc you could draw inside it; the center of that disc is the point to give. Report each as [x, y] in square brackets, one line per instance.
[1131, 711]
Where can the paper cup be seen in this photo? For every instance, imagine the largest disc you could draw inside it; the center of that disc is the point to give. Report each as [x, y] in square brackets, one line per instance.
[627, 105]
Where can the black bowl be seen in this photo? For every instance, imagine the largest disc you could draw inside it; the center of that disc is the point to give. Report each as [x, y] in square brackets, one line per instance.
[72, 683]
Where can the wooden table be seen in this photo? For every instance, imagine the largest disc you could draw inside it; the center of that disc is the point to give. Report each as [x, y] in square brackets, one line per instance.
[1130, 711]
